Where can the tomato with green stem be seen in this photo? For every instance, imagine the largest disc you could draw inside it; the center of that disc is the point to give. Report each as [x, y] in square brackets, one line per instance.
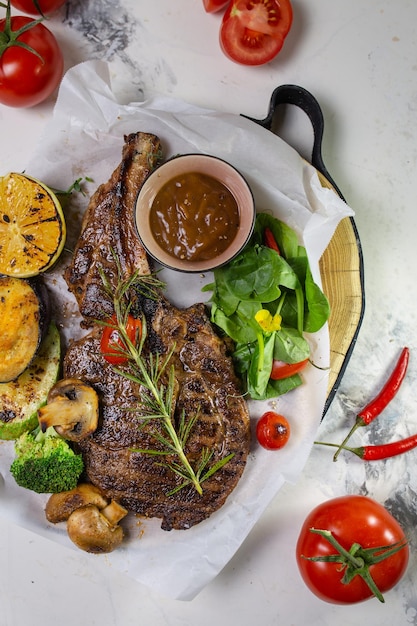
[273, 431]
[38, 7]
[112, 344]
[351, 548]
[253, 31]
[31, 61]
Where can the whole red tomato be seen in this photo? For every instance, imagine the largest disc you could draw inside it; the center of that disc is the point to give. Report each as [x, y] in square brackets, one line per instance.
[112, 345]
[28, 77]
[38, 7]
[351, 520]
[253, 32]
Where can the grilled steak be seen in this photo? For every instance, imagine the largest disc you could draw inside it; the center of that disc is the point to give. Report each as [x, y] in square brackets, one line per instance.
[108, 228]
[205, 383]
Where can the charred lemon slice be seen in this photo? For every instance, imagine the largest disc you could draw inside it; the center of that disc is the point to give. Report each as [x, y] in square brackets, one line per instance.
[32, 226]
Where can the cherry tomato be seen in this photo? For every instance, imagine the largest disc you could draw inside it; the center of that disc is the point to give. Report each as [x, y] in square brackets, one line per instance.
[26, 79]
[253, 31]
[112, 344]
[38, 7]
[214, 5]
[351, 519]
[272, 431]
[282, 370]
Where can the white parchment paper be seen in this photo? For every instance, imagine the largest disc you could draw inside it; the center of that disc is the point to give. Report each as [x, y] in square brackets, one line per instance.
[84, 139]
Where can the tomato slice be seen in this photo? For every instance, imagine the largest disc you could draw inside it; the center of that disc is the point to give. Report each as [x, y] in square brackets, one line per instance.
[112, 345]
[282, 370]
[253, 31]
[272, 431]
[211, 6]
[270, 241]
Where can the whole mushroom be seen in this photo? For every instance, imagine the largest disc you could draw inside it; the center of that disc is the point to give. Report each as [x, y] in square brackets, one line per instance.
[96, 530]
[92, 519]
[60, 505]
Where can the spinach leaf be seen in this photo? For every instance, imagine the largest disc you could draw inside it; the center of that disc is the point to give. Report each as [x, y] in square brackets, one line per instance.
[257, 275]
[222, 296]
[285, 236]
[280, 387]
[241, 325]
[260, 366]
[242, 358]
[317, 305]
[290, 346]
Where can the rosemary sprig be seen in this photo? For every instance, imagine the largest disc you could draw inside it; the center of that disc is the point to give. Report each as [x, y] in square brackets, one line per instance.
[159, 401]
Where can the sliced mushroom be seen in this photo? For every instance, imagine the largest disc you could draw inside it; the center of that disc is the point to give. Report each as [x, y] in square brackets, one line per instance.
[60, 505]
[94, 530]
[72, 408]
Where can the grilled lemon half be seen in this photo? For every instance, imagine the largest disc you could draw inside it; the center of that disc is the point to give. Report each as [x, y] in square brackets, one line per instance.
[32, 226]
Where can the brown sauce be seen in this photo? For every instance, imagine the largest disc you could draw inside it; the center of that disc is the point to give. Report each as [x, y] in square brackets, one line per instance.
[194, 216]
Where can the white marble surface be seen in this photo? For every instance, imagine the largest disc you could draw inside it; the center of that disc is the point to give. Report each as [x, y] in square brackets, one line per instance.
[360, 61]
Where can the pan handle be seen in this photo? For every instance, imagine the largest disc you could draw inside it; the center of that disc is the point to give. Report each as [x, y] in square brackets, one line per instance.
[300, 97]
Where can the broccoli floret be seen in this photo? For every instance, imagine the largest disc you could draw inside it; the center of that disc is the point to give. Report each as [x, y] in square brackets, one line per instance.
[45, 463]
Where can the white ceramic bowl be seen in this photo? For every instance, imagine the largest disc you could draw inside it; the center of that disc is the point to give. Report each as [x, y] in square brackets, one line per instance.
[200, 164]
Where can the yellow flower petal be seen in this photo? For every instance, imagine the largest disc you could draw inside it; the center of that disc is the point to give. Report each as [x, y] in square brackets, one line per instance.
[267, 322]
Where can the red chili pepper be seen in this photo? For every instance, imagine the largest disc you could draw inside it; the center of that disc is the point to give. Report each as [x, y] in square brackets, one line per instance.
[270, 241]
[382, 451]
[384, 397]
[388, 391]
[386, 450]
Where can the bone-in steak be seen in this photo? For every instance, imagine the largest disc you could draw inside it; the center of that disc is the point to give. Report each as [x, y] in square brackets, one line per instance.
[108, 227]
[205, 384]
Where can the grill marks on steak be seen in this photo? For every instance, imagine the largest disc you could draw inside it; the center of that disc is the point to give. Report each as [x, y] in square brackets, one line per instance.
[108, 225]
[206, 385]
[205, 379]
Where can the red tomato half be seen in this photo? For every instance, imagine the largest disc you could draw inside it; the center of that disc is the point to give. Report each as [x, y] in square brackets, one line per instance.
[282, 370]
[32, 6]
[26, 79]
[253, 31]
[272, 431]
[112, 344]
[351, 519]
[214, 5]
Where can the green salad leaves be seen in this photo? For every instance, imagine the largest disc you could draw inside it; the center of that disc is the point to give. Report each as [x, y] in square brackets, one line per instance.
[265, 300]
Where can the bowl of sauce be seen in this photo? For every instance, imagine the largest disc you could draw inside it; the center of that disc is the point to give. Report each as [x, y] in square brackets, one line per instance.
[195, 213]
